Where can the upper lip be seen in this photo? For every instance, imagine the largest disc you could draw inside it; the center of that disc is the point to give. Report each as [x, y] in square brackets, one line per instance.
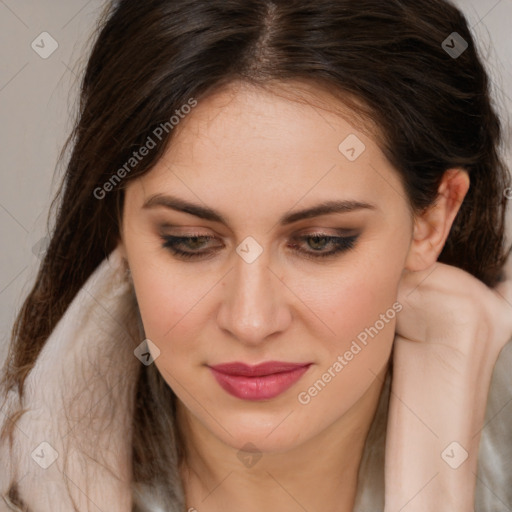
[259, 370]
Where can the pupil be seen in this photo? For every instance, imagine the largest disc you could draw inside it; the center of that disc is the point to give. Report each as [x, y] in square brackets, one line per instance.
[316, 239]
[194, 242]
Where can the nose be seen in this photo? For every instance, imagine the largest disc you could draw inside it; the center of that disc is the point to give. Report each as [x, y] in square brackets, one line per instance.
[254, 302]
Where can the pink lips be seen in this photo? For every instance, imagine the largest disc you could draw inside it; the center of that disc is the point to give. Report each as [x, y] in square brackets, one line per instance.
[260, 382]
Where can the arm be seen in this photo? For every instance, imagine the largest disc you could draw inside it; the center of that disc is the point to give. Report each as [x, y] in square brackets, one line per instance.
[449, 336]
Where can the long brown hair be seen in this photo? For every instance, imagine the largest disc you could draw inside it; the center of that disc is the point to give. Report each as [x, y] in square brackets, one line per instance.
[150, 58]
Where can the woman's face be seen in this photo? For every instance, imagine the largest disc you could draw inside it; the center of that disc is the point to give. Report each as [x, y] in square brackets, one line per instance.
[264, 280]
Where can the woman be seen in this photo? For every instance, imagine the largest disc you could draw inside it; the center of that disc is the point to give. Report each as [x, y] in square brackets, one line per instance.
[297, 204]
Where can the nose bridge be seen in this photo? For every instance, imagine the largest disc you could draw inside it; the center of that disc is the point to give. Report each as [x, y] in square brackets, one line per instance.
[253, 306]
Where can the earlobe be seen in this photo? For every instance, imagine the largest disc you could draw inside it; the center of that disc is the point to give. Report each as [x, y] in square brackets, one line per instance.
[432, 227]
[121, 249]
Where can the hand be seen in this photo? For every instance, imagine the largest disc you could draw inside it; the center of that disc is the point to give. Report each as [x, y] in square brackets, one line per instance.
[449, 335]
[443, 301]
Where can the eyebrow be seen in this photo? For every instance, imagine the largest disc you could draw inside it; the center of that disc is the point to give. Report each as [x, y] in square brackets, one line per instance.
[204, 212]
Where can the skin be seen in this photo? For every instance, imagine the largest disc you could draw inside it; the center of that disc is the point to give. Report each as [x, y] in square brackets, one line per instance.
[448, 339]
[254, 155]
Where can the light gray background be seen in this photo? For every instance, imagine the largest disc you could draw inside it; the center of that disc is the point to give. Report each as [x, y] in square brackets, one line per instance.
[37, 97]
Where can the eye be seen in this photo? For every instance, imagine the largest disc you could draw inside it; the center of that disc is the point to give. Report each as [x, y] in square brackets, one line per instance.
[339, 244]
[189, 247]
[192, 242]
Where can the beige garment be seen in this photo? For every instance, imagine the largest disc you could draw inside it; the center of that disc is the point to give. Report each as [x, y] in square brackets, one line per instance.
[89, 357]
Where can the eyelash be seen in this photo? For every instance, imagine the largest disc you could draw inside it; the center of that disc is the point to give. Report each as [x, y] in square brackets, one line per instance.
[342, 244]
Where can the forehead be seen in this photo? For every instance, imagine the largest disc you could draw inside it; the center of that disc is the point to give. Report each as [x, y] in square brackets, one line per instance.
[282, 145]
[288, 115]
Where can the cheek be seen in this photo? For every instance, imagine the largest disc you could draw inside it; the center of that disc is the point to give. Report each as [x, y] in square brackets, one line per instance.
[361, 310]
[350, 300]
[359, 307]
[168, 301]
[170, 307]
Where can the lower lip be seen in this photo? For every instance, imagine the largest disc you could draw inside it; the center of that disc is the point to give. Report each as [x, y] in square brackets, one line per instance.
[258, 388]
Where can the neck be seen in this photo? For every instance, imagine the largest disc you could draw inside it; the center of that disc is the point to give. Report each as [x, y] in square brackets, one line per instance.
[319, 474]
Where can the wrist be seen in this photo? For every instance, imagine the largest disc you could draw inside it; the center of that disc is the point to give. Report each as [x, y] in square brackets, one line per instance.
[437, 411]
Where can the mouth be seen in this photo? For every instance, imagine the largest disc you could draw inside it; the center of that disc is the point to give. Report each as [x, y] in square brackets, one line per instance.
[260, 382]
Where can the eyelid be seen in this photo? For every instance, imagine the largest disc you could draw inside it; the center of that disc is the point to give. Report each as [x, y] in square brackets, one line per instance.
[341, 244]
[307, 234]
[309, 231]
[342, 232]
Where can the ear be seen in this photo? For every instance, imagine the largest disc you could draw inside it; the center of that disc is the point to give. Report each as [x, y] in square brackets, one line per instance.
[432, 227]
[121, 248]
